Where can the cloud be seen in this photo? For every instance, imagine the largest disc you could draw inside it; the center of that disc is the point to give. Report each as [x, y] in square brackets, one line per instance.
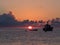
[49, 8]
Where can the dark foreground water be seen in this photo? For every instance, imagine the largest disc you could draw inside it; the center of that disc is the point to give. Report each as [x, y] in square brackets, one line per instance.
[17, 36]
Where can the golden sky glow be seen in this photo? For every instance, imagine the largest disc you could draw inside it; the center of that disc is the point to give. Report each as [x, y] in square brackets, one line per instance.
[31, 9]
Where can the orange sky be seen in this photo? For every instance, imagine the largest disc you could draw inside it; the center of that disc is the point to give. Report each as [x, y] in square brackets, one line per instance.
[31, 9]
[31, 14]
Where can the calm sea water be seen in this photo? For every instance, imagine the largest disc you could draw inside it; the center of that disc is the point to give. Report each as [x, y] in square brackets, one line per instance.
[17, 36]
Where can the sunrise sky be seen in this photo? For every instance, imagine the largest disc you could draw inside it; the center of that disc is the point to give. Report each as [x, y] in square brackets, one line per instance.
[31, 9]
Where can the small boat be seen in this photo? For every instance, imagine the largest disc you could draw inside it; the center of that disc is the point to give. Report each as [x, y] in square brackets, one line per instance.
[48, 29]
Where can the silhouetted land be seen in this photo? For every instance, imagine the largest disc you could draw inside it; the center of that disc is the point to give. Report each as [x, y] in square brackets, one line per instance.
[7, 20]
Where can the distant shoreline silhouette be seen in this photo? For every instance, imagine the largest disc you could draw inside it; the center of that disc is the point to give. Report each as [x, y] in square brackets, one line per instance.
[8, 19]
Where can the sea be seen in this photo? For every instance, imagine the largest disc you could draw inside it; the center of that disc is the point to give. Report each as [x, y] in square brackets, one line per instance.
[19, 36]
